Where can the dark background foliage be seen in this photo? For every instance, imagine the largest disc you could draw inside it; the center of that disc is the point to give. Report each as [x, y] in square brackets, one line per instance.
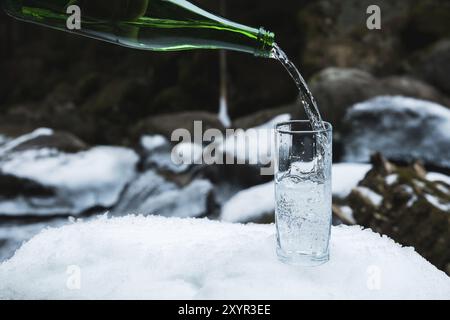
[100, 91]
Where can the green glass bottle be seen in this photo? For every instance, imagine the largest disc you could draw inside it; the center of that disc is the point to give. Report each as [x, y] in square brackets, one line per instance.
[159, 25]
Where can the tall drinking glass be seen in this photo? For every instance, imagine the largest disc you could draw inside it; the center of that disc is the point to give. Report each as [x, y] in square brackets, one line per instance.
[303, 192]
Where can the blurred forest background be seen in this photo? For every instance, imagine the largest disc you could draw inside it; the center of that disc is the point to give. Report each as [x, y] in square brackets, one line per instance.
[93, 93]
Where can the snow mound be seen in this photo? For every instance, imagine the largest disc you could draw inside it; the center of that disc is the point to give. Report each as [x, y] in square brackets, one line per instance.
[82, 180]
[170, 258]
[400, 128]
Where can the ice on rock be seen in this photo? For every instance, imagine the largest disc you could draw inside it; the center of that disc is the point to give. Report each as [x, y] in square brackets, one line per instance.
[82, 180]
[400, 128]
[168, 258]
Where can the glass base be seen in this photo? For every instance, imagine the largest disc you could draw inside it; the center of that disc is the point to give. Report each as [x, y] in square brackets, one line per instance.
[300, 259]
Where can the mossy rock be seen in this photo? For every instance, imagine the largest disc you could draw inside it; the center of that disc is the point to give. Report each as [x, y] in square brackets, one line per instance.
[414, 211]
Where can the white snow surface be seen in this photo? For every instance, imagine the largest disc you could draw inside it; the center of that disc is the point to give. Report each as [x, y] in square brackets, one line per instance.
[82, 180]
[137, 257]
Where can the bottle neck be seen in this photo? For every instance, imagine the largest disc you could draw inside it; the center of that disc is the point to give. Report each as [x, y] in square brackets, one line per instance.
[266, 40]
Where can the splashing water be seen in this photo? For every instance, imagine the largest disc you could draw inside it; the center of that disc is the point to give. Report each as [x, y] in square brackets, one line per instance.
[306, 98]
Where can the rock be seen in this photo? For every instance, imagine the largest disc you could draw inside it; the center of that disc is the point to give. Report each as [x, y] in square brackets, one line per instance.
[12, 186]
[60, 140]
[239, 175]
[151, 194]
[434, 65]
[261, 117]
[44, 138]
[401, 202]
[336, 34]
[166, 124]
[428, 21]
[119, 96]
[411, 87]
[404, 129]
[45, 181]
[337, 89]
[156, 153]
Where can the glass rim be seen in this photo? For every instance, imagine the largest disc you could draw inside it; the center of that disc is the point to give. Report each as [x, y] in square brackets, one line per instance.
[328, 127]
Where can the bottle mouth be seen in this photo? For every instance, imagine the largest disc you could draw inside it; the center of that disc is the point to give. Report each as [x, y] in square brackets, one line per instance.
[266, 39]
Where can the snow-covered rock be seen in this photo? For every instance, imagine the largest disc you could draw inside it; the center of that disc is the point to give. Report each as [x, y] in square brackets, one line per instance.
[400, 128]
[11, 144]
[401, 202]
[158, 154]
[80, 181]
[250, 205]
[153, 142]
[435, 176]
[150, 194]
[169, 258]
